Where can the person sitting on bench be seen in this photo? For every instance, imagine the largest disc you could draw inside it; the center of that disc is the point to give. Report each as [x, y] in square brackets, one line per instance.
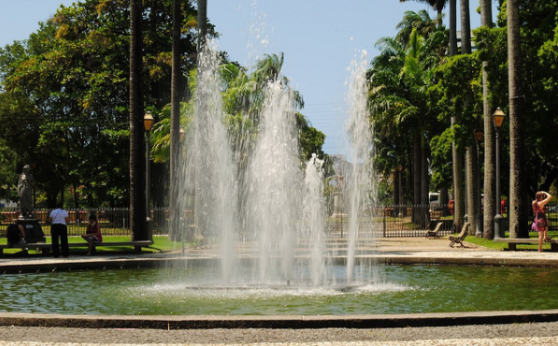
[16, 234]
[93, 234]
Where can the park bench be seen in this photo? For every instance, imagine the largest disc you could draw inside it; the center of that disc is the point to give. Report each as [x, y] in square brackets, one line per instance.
[461, 237]
[45, 247]
[512, 242]
[434, 233]
[435, 215]
[137, 244]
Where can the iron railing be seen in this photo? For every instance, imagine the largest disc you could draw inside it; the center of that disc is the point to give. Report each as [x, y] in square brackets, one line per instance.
[387, 221]
[114, 221]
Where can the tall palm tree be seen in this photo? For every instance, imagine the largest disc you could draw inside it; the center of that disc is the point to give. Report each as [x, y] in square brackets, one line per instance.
[489, 139]
[419, 21]
[438, 5]
[465, 27]
[202, 23]
[138, 208]
[472, 193]
[175, 147]
[518, 186]
[457, 154]
[453, 27]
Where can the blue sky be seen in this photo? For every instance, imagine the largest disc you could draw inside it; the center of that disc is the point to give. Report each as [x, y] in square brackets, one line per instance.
[319, 38]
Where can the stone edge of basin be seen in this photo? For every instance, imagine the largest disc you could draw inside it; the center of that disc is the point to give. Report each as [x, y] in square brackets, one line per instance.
[276, 322]
[43, 265]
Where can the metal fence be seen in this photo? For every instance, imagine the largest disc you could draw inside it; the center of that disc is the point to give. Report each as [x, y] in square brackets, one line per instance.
[113, 221]
[412, 220]
[387, 221]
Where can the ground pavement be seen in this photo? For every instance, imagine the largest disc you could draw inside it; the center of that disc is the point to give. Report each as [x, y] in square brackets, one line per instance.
[27, 331]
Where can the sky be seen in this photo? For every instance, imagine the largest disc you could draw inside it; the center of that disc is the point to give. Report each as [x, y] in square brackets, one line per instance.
[319, 39]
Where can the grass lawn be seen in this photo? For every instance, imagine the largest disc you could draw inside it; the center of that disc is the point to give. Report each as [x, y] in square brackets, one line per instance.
[160, 244]
[501, 246]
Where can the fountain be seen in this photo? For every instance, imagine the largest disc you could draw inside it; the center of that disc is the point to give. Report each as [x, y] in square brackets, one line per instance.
[268, 249]
[269, 228]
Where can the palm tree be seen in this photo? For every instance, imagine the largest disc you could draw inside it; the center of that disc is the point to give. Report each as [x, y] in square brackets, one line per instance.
[472, 193]
[453, 27]
[175, 118]
[137, 147]
[399, 85]
[489, 139]
[518, 188]
[202, 23]
[419, 21]
[465, 27]
[438, 5]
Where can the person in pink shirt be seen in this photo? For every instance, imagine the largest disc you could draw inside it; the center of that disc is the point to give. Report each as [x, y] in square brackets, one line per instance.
[93, 234]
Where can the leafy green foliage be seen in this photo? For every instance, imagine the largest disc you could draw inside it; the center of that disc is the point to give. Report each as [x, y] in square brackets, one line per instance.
[69, 84]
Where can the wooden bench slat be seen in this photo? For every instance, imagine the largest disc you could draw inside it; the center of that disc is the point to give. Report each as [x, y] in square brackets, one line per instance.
[137, 244]
[512, 242]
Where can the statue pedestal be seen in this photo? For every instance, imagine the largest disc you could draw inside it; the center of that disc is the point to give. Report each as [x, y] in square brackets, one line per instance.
[33, 230]
[338, 207]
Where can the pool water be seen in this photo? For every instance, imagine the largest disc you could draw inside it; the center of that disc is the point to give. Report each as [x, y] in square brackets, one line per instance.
[406, 289]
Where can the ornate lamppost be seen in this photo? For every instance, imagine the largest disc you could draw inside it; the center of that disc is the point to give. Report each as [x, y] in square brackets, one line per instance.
[498, 119]
[400, 170]
[479, 136]
[147, 124]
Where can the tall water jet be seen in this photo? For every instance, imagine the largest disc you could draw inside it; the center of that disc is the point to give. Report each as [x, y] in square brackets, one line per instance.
[264, 211]
[313, 219]
[209, 182]
[273, 183]
[360, 186]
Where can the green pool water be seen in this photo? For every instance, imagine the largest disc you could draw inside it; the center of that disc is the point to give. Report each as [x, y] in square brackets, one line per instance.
[406, 289]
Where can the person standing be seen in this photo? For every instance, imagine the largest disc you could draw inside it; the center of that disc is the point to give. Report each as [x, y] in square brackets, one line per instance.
[59, 219]
[540, 224]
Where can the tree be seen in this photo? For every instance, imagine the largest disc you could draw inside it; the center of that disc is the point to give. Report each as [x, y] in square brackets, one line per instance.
[175, 145]
[400, 77]
[438, 5]
[472, 186]
[489, 138]
[74, 75]
[137, 170]
[518, 192]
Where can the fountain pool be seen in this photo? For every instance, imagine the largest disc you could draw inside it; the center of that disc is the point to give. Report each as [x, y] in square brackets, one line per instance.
[409, 289]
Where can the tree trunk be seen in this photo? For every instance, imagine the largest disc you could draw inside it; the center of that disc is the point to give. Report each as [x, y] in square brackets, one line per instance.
[175, 148]
[453, 27]
[202, 23]
[424, 181]
[455, 153]
[518, 205]
[471, 168]
[473, 196]
[489, 139]
[465, 27]
[138, 210]
[417, 169]
[458, 195]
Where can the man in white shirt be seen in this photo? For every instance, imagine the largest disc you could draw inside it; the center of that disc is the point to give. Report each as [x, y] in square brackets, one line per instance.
[59, 219]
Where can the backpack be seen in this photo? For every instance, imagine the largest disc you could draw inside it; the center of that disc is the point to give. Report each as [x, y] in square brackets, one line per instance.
[13, 234]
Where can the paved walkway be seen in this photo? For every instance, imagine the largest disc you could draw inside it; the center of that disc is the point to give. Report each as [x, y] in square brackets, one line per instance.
[393, 250]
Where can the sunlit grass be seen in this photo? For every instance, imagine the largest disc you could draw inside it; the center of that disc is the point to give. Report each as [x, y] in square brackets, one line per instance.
[160, 244]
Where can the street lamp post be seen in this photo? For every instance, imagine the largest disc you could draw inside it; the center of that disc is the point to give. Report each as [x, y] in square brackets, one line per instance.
[147, 123]
[479, 136]
[400, 169]
[498, 119]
